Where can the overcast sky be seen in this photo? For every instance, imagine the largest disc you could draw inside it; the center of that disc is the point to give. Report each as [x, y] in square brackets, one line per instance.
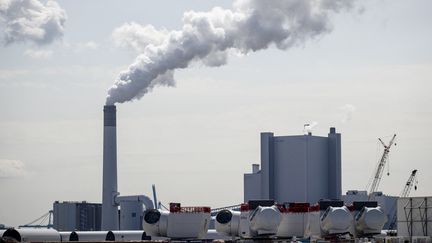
[370, 77]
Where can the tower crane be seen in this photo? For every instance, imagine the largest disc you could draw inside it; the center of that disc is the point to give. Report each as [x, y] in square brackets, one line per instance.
[380, 168]
[412, 181]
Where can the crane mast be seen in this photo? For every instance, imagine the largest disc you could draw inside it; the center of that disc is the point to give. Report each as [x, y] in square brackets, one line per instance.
[405, 193]
[409, 184]
[381, 165]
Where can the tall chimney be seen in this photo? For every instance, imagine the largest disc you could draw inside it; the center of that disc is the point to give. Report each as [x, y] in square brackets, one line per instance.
[109, 184]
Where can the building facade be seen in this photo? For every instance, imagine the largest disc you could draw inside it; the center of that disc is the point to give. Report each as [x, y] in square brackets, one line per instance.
[81, 216]
[303, 168]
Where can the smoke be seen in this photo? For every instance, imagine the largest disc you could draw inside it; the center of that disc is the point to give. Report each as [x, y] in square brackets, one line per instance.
[31, 20]
[347, 111]
[137, 37]
[308, 128]
[207, 37]
[11, 168]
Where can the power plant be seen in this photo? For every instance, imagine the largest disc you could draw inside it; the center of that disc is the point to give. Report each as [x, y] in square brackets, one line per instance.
[295, 193]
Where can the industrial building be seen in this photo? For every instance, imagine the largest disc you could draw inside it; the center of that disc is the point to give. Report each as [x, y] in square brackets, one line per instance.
[82, 216]
[304, 168]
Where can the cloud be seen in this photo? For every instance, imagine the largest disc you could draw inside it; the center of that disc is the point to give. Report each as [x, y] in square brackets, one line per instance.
[11, 168]
[138, 37]
[31, 21]
[90, 45]
[347, 111]
[38, 54]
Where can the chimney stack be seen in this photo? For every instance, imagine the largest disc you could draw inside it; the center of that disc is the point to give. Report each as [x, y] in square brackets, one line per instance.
[109, 183]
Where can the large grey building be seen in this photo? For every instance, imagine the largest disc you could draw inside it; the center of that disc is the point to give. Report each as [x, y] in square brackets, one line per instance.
[303, 168]
[82, 216]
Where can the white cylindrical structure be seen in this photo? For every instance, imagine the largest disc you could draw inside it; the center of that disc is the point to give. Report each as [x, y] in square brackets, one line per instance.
[155, 222]
[65, 235]
[178, 223]
[336, 220]
[127, 235]
[228, 222]
[28, 234]
[265, 220]
[90, 236]
[109, 184]
[370, 221]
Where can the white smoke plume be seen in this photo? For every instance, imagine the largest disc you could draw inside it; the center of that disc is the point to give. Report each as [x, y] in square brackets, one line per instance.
[138, 37]
[11, 168]
[308, 128]
[348, 111]
[251, 25]
[31, 20]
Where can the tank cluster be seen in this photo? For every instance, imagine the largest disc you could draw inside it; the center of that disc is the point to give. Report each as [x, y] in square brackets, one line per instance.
[265, 218]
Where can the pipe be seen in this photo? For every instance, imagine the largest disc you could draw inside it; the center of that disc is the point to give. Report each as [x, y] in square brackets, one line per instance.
[90, 236]
[32, 235]
[127, 235]
[154, 196]
[109, 183]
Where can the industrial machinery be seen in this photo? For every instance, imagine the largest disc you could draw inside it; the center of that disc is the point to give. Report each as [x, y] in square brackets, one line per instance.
[329, 219]
[369, 218]
[411, 182]
[380, 167]
[228, 222]
[294, 219]
[257, 218]
[177, 223]
[336, 220]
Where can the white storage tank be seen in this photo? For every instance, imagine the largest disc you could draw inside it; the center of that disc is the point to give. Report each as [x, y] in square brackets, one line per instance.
[180, 222]
[29, 234]
[294, 220]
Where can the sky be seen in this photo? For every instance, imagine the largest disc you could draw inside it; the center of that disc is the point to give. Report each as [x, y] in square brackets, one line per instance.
[369, 75]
